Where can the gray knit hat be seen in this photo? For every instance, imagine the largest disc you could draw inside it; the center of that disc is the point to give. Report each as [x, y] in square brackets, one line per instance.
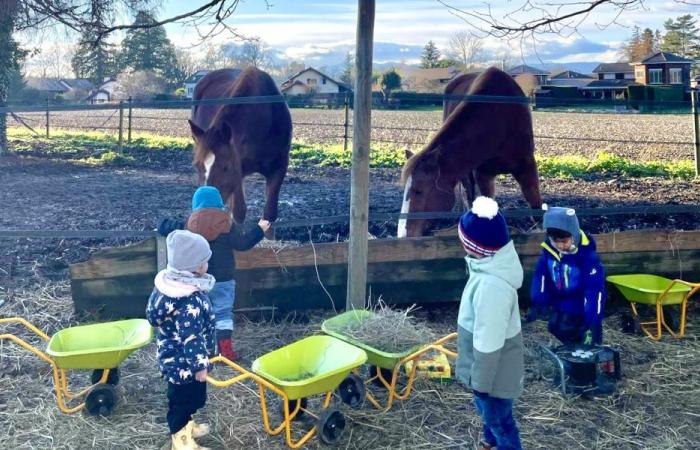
[562, 219]
[186, 250]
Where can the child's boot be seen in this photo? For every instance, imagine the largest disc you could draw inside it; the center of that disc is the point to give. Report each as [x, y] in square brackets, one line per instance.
[182, 440]
[226, 349]
[199, 429]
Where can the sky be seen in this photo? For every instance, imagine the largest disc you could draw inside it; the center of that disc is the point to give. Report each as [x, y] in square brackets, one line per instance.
[306, 29]
[321, 32]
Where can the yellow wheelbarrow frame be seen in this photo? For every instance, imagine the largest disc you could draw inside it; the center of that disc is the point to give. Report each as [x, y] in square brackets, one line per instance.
[393, 392]
[633, 293]
[60, 378]
[335, 360]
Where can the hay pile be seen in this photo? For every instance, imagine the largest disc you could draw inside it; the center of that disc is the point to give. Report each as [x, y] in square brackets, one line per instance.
[388, 330]
[657, 405]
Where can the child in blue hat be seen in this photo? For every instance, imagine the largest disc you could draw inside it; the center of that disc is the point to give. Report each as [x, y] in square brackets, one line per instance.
[490, 343]
[569, 281]
[210, 219]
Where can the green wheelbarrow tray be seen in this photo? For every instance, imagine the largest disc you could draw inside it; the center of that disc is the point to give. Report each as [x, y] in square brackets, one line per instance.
[98, 346]
[310, 366]
[644, 288]
[376, 357]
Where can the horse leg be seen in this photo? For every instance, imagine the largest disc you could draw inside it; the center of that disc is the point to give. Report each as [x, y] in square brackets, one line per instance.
[272, 193]
[529, 182]
[486, 183]
[236, 202]
[467, 190]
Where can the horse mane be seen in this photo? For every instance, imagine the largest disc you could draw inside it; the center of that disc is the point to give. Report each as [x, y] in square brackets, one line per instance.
[490, 82]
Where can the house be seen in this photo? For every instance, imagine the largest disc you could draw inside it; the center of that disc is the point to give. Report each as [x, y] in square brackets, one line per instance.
[540, 75]
[75, 88]
[569, 78]
[613, 79]
[662, 68]
[192, 81]
[429, 80]
[310, 80]
[109, 91]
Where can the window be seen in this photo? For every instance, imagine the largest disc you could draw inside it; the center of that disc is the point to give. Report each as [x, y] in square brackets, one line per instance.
[324, 80]
[675, 76]
[620, 76]
[654, 76]
[639, 73]
[311, 81]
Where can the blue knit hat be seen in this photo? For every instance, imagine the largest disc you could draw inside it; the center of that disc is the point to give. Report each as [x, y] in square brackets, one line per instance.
[562, 219]
[483, 229]
[207, 197]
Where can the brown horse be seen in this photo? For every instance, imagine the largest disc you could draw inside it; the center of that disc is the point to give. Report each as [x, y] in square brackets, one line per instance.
[478, 140]
[236, 140]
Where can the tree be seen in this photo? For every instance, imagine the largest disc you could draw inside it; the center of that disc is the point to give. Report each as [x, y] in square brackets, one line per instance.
[94, 60]
[391, 80]
[255, 53]
[682, 37]
[140, 84]
[466, 49]
[430, 56]
[148, 49]
[346, 76]
[640, 45]
[186, 63]
[12, 56]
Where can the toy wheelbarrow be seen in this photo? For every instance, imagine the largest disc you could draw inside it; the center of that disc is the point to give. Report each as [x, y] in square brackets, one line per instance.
[101, 347]
[311, 366]
[659, 291]
[385, 367]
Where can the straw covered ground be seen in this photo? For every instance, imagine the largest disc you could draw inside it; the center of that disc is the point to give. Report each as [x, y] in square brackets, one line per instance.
[657, 405]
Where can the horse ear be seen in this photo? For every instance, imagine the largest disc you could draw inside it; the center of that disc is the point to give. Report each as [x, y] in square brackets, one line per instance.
[409, 154]
[197, 132]
[430, 161]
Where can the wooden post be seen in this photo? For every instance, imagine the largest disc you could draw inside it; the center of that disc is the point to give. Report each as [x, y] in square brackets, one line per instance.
[359, 179]
[128, 136]
[346, 124]
[695, 98]
[47, 117]
[161, 253]
[120, 144]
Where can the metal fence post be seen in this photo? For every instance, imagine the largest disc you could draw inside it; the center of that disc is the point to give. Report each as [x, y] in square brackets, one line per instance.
[120, 145]
[695, 98]
[47, 117]
[345, 124]
[128, 136]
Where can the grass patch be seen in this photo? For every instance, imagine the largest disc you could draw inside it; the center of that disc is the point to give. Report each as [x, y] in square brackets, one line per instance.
[99, 148]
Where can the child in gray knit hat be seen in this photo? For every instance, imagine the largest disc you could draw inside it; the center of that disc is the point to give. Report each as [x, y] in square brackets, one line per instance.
[180, 309]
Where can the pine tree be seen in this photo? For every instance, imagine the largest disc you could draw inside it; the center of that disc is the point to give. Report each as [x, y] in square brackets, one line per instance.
[149, 49]
[348, 65]
[682, 37]
[430, 57]
[647, 44]
[95, 61]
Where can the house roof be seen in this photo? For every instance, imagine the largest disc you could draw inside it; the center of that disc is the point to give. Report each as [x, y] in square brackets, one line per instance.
[195, 77]
[434, 74]
[622, 67]
[46, 84]
[339, 83]
[569, 74]
[609, 84]
[288, 86]
[523, 68]
[78, 83]
[665, 57]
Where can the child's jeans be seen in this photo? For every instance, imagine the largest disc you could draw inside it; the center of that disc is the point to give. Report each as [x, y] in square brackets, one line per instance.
[222, 296]
[500, 429]
[183, 401]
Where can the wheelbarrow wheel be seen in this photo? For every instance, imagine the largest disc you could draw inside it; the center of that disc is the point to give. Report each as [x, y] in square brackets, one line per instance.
[101, 400]
[629, 323]
[330, 425]
[386, 374]
[112, 378]
[292, 404]
[352, 391]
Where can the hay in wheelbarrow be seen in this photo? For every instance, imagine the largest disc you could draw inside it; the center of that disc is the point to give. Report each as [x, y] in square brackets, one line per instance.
[389, 330]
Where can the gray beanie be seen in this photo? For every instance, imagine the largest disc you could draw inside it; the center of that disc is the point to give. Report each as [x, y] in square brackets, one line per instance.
[186, 250]
[562, 219]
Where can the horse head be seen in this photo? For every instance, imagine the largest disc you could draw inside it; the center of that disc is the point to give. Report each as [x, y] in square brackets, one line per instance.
[219, 165]
[427, 187]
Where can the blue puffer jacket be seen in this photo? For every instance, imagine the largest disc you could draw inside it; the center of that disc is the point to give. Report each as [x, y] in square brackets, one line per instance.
[573, 284]
[184, 318]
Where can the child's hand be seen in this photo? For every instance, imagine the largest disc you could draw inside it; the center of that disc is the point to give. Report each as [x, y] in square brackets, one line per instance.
[264, 225]
[201, 375]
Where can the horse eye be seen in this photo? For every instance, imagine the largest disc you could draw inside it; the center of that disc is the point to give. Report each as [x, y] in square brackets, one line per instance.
[417, 192]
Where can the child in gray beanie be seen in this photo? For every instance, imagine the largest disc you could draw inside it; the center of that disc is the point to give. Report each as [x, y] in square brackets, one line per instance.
[181, 311]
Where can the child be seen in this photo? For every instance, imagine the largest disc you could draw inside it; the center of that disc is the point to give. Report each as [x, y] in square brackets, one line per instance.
[569, 281]
[180, 309]
[211, 220]
[490, 344]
